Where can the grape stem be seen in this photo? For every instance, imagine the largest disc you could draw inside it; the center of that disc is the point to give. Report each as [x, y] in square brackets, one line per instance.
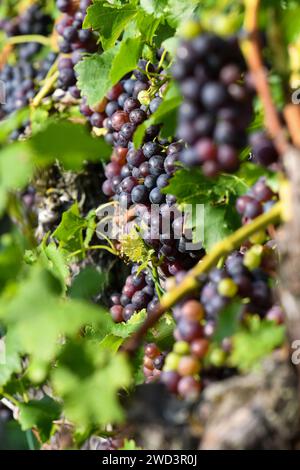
[14, 40]
[92, 248]
[254, 60]
[193, 278]
[46, 88]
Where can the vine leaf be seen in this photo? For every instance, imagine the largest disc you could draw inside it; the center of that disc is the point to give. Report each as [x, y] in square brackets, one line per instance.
[109, 20]
[126, 59]
[68, 142]
[94, 78]
[12, 359]
[37, 316]
[88, 283]
[39, 414]
[252, 344]
[228, 321]
[89, 390]
[69, 233]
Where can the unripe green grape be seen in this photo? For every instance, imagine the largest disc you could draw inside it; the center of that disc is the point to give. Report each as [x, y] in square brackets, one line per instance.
[190, 29]
[217, 357]
[227, 287]
[225, 24]
[252, 257]
[181, 347]
[144, 97]
[171, 362]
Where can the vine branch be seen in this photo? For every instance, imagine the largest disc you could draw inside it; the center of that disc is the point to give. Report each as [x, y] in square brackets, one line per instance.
[14, 40]
[255, 64]
[47, 87]
[192, 279]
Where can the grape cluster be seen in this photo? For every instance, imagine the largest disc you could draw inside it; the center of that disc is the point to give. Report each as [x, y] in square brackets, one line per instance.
[217, 106]
[259, 199]
[245, 277]
[22, 79]
[74, 42]
[32, 21]
[21, 82]
[137, 294]
[136, 177]
[183, 364]
[153, 362]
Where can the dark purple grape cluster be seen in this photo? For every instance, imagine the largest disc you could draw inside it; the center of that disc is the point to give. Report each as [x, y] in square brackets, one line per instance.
[217, 106]
[32, 21]
[137, 294]
[243, 276]
[136, 177]
[125, 110]
[75, 41]
[153, 362]
[260, 198]
[21, 82]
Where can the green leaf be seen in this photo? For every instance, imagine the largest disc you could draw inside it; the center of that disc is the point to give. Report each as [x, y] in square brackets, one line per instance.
[69, 233]
[12, 122]
[156, 7]
[89, 390]
[130, 444]
[11, 254]
[171, 45]
[39, 414]
[175, 11]
[111, 342]
[110, 21]
[10, 362]
[68, 142]
[16, 169]
[37, 316]
[124, 330]
[126, 59]
[192, 187]
[88, 283]
[94, 78]
[55, 261]
[219, 222]
[228, 321]
[147, 26]
[250, 173]
[180, 11]
[251, 345]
